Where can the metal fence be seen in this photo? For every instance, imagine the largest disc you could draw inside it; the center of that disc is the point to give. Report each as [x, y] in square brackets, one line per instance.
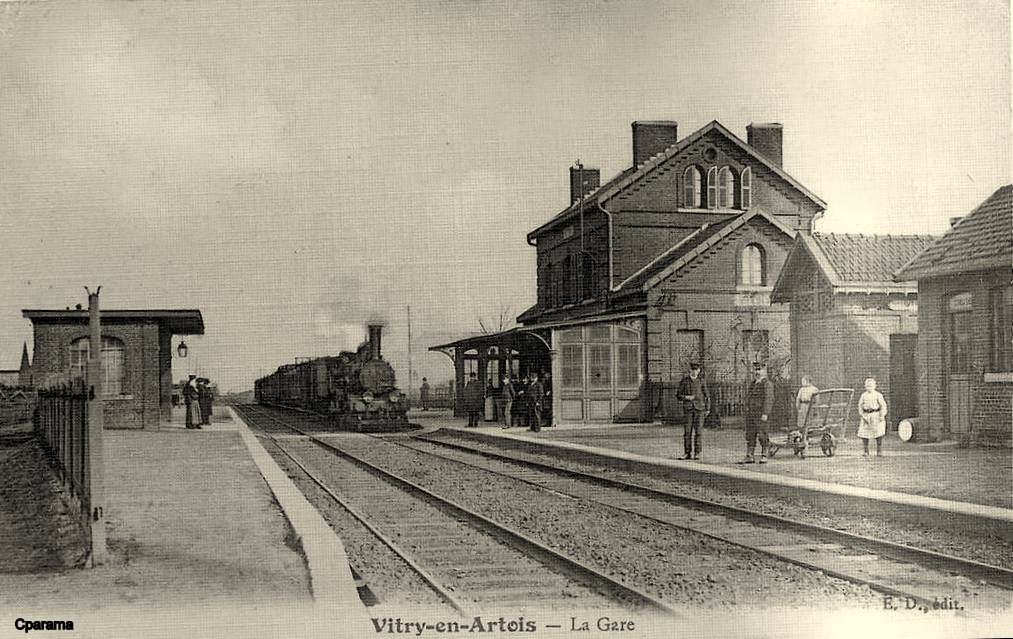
[441, 397]
[62, 425]
[16, 404]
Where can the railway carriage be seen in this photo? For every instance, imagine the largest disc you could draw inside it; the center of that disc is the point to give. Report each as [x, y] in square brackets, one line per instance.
[358, 390]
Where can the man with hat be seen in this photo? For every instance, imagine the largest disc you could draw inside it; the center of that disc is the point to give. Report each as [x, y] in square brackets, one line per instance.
[474, 398]
[695, 403]
[759, 404]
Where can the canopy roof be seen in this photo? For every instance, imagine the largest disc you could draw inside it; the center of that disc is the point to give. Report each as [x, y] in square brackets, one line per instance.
[177, 321]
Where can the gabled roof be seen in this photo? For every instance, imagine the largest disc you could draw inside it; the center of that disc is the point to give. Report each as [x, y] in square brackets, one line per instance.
[690, 247]
[981, 240]
[851, 262]
[178, 321]
[632, 174]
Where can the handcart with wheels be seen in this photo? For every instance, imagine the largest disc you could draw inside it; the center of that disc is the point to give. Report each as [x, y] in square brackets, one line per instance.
[823, 425]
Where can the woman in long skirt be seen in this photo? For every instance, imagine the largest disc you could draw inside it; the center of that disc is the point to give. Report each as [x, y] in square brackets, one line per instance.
[872, 418]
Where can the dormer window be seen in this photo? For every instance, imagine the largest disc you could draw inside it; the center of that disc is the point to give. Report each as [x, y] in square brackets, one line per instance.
[691, 183]
[746, 185]
[726, 188]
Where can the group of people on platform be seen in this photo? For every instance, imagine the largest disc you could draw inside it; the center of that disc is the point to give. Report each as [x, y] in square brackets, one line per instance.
[198, 397]
[526, 402]
[759, 408]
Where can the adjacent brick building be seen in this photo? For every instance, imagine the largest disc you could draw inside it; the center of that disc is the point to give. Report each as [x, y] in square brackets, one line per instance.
[965, 326]
[849, 319]
[136, 353]
[672, 260]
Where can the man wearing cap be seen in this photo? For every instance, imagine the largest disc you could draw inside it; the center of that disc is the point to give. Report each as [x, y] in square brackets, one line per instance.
[695, 402]
[759, 403]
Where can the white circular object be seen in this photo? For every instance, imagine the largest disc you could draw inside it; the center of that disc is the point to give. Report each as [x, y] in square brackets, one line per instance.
[904, 430]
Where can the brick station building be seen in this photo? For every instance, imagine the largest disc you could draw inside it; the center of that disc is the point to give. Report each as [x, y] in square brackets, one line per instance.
[849, 319]
[136, 354]
[671, 260]
[965, 326]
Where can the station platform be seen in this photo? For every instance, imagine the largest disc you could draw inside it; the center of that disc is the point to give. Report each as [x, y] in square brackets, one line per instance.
[960, 485]
[197, 541]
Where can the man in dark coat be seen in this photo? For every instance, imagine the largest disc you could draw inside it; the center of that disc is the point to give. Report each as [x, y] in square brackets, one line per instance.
[205, 398]
[191, 398]
[695, 398]
[759, 404]
[536, 396]
[424, 394]
[474, 400]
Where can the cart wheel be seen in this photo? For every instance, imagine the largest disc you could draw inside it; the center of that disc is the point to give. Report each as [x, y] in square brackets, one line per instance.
[827, 445]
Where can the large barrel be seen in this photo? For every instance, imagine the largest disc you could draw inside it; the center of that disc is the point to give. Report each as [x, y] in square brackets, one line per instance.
[907, 429]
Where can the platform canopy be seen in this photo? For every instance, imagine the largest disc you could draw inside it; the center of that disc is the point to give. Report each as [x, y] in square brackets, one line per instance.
[176, 321]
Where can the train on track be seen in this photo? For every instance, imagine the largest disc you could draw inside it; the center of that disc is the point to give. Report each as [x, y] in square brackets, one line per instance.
[357, 390]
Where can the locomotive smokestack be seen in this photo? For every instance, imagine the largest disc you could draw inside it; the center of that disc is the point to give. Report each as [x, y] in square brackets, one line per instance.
[375, 332]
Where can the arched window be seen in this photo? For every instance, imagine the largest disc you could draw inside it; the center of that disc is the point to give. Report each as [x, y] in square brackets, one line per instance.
[691, 195]
[753, 267]
[112, 363]
[746, 183]
[712, 187]
[726, 188]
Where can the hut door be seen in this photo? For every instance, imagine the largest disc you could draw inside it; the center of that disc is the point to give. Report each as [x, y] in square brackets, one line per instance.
[958, 378]
[903, 383]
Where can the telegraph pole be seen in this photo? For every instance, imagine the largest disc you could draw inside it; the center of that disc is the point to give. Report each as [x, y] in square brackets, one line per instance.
[410, 381]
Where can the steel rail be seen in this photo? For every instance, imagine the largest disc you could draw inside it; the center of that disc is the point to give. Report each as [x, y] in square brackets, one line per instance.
[589, 574]
[430, 579]
[994, 575]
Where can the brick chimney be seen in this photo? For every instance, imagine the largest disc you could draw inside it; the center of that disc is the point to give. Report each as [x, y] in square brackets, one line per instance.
[766, 140]
[591, 179]
[652, 137]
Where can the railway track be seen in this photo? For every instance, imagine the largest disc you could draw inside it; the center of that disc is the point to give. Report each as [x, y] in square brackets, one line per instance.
[898, 570]
[473, 563]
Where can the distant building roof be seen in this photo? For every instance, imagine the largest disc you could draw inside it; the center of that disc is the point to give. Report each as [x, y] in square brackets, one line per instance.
[981, 240]
[851, 261]
[178, 321]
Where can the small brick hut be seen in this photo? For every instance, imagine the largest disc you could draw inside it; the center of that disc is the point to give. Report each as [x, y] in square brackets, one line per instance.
[849, 319]
[136, 353]
[965, 326]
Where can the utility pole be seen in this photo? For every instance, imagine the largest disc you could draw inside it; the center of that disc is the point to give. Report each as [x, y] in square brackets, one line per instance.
[93, 510]
[580, 209]
[410, 381]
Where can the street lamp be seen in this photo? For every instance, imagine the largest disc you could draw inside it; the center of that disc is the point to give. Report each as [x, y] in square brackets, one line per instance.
[182, 349]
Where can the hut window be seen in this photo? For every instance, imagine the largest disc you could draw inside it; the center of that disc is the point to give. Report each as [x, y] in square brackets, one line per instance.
[1001, 302]
[112, 363]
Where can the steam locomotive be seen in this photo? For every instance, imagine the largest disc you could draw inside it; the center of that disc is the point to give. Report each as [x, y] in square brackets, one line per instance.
[358, 390]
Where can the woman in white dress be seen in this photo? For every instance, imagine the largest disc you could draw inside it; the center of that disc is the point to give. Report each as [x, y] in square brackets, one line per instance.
[872, 418]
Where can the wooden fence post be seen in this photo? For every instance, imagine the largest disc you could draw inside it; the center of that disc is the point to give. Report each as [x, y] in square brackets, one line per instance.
[94, 494]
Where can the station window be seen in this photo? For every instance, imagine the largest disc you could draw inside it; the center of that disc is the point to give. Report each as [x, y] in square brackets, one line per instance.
[726, 188]
[752, 266]
[691, 195]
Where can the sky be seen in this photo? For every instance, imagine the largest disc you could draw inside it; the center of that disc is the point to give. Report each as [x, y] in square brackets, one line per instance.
[294, 169]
